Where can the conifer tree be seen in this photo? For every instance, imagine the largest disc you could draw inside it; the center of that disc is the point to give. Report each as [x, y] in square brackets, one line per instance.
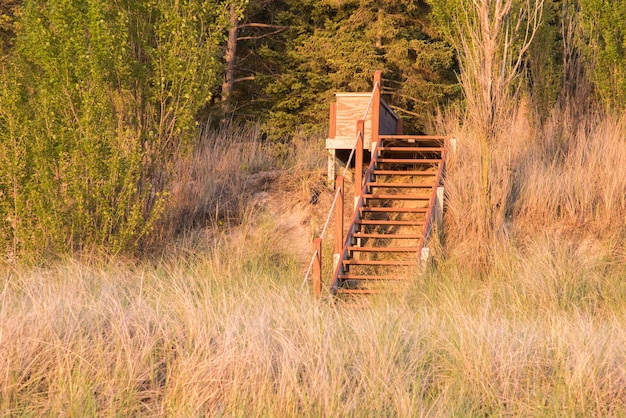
[293, 55]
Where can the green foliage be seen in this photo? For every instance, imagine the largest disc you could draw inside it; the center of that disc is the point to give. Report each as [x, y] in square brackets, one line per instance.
[604, 42]
[96, 99]
[545, 58]
[7, 23]
[329, 46]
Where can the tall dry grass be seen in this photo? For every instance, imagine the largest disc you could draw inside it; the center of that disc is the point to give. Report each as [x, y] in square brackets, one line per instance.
[565, 176]
[230, 332]
[224, 328]
[217, 180]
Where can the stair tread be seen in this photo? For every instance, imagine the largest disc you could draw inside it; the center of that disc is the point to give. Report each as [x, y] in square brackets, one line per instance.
[378, 263]
[412, 196]
[409, 161]
[384, 249]
[393, 210]
[390, 236]
[410, 149]
[400, 185]
[358, 291]
[369, 277]
[415, 137]
[405, 172]
[388, 222]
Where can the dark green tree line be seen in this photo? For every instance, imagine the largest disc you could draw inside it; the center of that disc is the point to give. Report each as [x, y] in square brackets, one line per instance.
[292, 55]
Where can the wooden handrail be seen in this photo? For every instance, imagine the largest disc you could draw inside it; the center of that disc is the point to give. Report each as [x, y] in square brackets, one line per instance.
[376, 108]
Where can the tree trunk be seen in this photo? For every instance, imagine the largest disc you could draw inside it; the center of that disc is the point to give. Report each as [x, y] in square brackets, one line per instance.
[485, 181]
[230, 54]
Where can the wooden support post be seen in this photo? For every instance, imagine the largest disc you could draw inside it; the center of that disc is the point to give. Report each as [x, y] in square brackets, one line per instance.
[376, 110]
[332, 167]
[453, 145]
[332, 127]
[317, 266]
[439, 209]
[399, 127]
[358, 161]
[338, 222]
[332, 154]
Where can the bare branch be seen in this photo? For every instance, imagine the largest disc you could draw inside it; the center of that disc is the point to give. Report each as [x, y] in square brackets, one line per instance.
[262, 25]
[245, 38]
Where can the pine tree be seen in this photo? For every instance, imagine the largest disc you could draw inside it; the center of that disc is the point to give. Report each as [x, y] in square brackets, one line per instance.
[292, 55]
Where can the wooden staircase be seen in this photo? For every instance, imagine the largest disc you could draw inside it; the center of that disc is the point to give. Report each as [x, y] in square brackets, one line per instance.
[398, 197]
[394, 215]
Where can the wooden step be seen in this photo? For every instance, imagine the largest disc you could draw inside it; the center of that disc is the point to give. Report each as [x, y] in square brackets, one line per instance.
[378, 263]
[367, 277]
[358, 291]
[408, 161]
[390, 236]
[411, 196]
[374, 209]
[388, 222]
[410, 149]
[404, 173]
[384, 249]
[439, 138]
[400, 185]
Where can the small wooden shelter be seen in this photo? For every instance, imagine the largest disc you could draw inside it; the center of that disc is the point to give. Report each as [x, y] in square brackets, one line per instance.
[351, 107]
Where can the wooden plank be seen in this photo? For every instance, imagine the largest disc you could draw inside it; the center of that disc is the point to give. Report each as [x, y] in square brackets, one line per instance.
[350, 108]
[394, 210]
[408, 160]
[378, 263]
[416, 137]
[332, 126]
[375, 110]
[344, 142]
[358, 291]
[387, 236]
[405, 173]
[366, 277]
[411, 149]
[391, 185]
[388, 120]
[387, 222]
[398, 196]
[385, 249]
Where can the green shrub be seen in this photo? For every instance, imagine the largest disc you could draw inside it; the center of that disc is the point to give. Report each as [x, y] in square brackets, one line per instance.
[96, 98]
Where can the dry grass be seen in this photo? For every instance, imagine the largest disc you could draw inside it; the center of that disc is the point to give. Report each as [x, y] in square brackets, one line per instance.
[566, 177]
[224, 328]
[230, 332]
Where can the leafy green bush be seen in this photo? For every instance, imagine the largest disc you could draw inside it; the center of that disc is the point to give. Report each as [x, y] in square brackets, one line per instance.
[96, 98]
[604, 42]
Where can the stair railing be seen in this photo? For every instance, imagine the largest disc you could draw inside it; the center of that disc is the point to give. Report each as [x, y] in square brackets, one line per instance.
[336, 207]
